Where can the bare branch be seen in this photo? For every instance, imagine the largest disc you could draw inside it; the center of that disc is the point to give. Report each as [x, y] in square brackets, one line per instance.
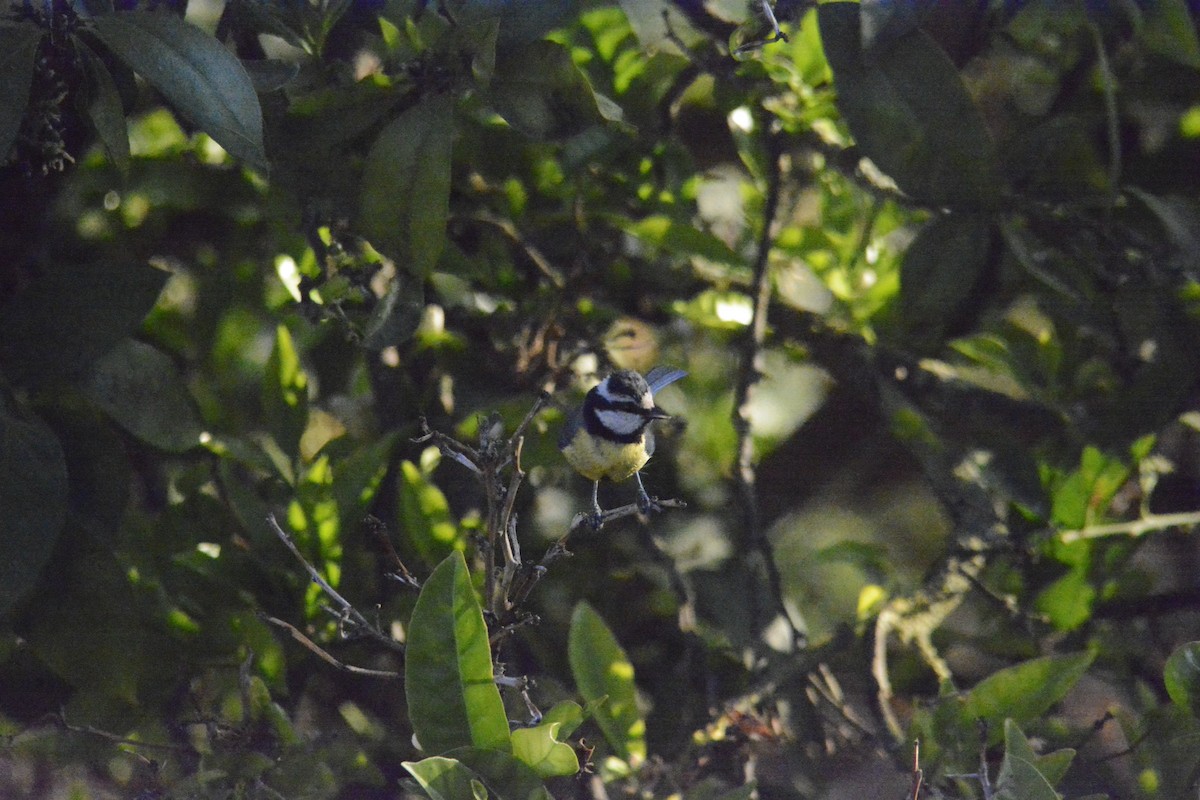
[325, 656]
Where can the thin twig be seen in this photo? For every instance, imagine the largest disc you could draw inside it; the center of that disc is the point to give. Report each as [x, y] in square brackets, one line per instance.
[533, 253]
[1135, 527]
[61, 719]
[749, 373]
[1112, 122]
[588, 520]
[325, 656]
[347, 611]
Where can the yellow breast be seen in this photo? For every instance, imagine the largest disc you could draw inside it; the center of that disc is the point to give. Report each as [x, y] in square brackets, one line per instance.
[595, 458]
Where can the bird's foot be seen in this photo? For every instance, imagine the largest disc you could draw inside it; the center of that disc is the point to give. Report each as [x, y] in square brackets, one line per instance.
[648, 505]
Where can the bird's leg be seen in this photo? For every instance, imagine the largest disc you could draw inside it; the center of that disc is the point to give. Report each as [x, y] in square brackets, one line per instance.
[645, 502]
[597, 514]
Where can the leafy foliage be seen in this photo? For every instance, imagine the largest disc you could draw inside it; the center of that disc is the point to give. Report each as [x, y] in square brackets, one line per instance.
[932, 270]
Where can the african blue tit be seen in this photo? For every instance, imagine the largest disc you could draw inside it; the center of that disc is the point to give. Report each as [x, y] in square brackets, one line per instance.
[608, 435]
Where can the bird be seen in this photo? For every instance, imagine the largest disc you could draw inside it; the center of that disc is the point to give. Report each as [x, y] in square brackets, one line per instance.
[608, 435]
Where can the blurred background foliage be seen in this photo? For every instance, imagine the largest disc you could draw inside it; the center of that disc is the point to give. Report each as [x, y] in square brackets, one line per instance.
[933, 269]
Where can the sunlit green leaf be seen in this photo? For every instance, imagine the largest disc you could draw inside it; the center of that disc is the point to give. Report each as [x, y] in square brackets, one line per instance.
[425, 515]
[541, 748]
[452, 696]
[200, 78]
[602, 670]
[285, 393]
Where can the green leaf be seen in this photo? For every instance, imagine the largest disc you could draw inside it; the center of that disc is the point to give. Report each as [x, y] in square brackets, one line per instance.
[357, 477]
[105, 109]
[71, 315]
[1068, 601]
[285, 393]
[425, 515]
[910, 113]
[18, 50]
[451, 690]
[568, 715]
[1182, 676]
[1024, 692]
[198, 76]
[540, 91]
[1168, 30]
[406, 185]
[940, 271]
[602, 670]
[540, 748]
[33, 494]
[505, 776]
[397, 315]
[446, 779]
[680, 239]
[140, 388]
[1020, 778]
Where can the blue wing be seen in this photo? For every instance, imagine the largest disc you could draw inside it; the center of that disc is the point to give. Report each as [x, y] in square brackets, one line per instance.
[663, 376]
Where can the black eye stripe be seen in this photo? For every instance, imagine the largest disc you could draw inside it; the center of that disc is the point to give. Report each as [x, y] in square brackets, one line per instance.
[599, 402]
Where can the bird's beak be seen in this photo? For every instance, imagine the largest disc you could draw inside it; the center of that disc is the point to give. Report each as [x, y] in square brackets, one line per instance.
[657, 413]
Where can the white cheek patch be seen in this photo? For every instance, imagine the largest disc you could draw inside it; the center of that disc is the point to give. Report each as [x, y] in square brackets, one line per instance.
[622, 423]
[647, 401]
[603, 390]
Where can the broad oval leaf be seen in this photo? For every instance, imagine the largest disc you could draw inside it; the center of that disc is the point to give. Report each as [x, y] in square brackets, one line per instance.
[603, 671]
[1024, 775]
[1025, 691]
[33, 494]
[540, 91]
[141, 389]
[452, 696]
[201, 79]
[1182, 676]
[406, 185]
[910, 113]
[941, 269]
[71, 315]
[425, 514]
[18, 50]
[504, 775]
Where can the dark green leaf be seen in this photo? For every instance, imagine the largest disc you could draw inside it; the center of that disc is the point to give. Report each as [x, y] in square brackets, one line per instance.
[1020, 777]
[540, 92]
[356, 479]
[602, 671]
[105, 109]
[397, 315]
[1182, 676]
[197, 75]
[97, 467]
[1024, 692]
[406, 185]
[269, 74]
[910, 113]
[285, 393]
[505, 776]
[940, 271]
[71, 315]
[33, 494]
[141, 389]
[453, 701]
[18, 50]
[1168, 30]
